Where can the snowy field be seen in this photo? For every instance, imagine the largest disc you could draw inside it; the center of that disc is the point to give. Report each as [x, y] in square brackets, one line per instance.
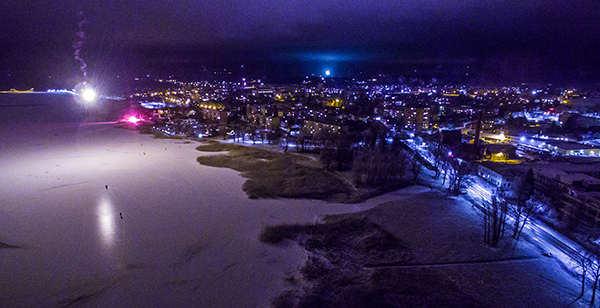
[446, 237]
[188, 236]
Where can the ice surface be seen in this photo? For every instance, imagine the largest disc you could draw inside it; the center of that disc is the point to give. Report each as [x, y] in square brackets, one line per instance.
[188, 236]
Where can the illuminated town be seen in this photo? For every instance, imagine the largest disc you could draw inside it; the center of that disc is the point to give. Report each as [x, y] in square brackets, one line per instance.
[370, 154]
[517, 128]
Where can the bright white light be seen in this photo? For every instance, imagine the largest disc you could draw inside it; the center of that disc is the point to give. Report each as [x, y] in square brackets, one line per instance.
[522, 139]
[327, 72]
[106, 221]
[88, 95]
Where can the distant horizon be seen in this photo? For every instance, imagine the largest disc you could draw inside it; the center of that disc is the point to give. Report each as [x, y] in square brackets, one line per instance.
[284, 65]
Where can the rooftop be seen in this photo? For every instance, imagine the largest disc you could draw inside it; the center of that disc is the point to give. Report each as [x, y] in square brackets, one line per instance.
[568, 145]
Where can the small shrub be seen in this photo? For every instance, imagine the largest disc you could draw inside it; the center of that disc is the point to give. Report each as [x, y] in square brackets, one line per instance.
[276, 234]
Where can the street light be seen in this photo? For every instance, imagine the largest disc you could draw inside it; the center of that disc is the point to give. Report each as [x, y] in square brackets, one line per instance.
[89, 95]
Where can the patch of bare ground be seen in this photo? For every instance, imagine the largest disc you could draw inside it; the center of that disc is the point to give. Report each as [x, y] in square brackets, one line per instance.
[342, 268]
[273, 174]
[286, 175]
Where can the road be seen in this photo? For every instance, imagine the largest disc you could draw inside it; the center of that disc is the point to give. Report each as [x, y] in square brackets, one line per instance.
[546, 238]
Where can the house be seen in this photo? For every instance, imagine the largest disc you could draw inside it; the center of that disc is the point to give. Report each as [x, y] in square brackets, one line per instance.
[498, 174]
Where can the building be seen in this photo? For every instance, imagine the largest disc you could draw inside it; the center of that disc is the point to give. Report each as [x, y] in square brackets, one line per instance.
[498, 174]
[314, 127]
[214, 114]
[415, 118]
[574, 194]
[268, 116]
[498, 152]
[560, 147]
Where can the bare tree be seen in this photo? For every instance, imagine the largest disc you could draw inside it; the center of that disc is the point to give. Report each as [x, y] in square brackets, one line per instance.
[494, 218]
[438, 153]
[595, 267]
[344, 153]
[414, 166]
[319, 138]
[236, 129]
[301, 142]
[251, 131]
[327, 154]
[378, 168]
[459, 175]
[523, 207]
[584, 263]
[446, 166]
[273, 137]
[395, 165]
[359, 168]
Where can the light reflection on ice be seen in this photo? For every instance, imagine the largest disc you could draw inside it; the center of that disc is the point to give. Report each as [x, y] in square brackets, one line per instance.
[106, 221]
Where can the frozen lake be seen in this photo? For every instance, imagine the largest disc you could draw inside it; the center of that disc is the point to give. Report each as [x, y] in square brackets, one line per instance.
[188, 236]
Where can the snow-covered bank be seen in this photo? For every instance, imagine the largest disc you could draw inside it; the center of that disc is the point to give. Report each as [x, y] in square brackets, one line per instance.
[441, 260]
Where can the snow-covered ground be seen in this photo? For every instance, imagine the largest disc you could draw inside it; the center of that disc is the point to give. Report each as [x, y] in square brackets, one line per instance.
[445, 235]
[188, 236]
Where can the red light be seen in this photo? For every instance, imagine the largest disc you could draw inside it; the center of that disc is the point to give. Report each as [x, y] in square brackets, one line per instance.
[133, 119]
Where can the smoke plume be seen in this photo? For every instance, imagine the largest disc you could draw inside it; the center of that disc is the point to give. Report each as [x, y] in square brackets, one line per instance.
[78, 44]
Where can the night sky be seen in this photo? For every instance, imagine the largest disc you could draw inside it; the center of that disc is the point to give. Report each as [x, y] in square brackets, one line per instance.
[526, 40]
